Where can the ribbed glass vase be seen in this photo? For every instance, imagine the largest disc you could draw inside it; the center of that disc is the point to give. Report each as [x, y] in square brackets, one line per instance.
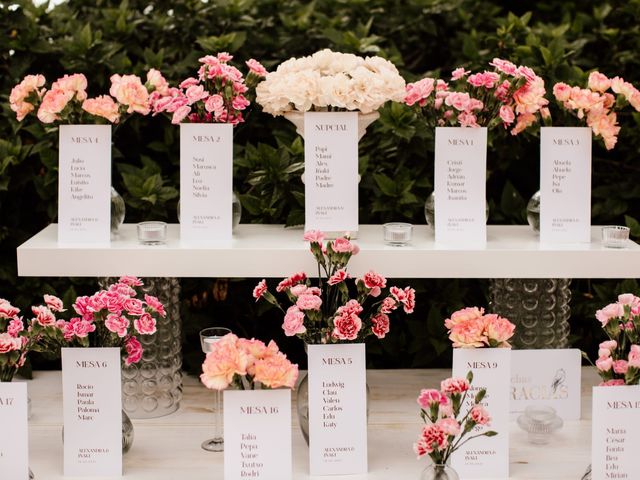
[538, 307]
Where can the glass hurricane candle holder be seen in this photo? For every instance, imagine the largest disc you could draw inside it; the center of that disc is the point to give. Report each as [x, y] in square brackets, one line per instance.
[615, 236]
[152, 233]
[397, 234]
[208, 338]
[540, 422]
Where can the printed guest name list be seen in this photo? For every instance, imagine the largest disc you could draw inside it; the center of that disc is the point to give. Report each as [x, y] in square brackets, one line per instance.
[331, 171]
[460, 178]
[206, 182]
[84, 208]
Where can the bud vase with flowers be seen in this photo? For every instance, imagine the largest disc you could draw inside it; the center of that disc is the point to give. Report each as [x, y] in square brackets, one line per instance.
[336, 308]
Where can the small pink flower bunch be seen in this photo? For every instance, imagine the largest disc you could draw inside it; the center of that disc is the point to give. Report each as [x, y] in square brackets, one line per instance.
[247, 364]
[618, 360]
[509, 95]
[597, 106]
[219, 94]
[472, 328]
[324, 312]
[114, 317]
[445, 425]
[67, 100]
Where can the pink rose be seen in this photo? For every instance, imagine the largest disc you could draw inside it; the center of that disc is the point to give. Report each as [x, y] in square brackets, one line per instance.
[449, 426]
[134, 351]
[54, 303]
[256, 67]
[145, 324]
[44, 316]
[380, 325]
[117, 324]
[155, 305]
[313, 236]
[9, 343]
[7, 310]
[259, 290]
[346, 326]
[620, 367]
[429, 397]
[611, 311]
[454, 385]
[293, 322]
[309, 302]
[340, 276]
[480, 415]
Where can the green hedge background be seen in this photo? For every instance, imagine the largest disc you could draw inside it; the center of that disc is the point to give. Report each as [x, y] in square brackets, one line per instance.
[561, 40]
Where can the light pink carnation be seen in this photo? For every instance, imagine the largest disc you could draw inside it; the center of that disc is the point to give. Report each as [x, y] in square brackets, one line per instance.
[620, 367]
[480, 415]
[129, 91]
[498, 329]
[449, 426]
[429, 397]
[463, 315]
[223, 362]
[611, 311]
[458, 73]
[342, 245]
[313, 236]
[507, 115]
[9, 343]
[276, 371]
[53, 103]
[14, 327]
[117, 324]
[598, 82]
[293, 322]
[31, 84]
[256, 67]
[340, 276]
[102, 106]
[616, 382]
[44, 316]
[634, 356]
[309, 302]
[155, 305]
[7, 310]
[145, 324]
[454, 385]
[604, 364]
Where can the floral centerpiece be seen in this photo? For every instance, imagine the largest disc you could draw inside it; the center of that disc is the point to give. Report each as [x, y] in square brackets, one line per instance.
[595, 106]
[247, 365]
[618, 360]
[510, 96]
[330, 81]
[452, 416]
[470, 327]
[324, 312]
[219, 94]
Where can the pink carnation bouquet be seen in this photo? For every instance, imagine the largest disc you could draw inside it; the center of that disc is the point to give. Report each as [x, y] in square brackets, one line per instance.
[446, 426]
[618, 360]
[596, 105]
[472, 328]
[67, 101]
[247, 365]
[323, 311]
[115, 317]
[510, 96]
[219, 93]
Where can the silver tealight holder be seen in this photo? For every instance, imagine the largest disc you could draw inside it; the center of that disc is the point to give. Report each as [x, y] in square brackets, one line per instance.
[397, 234]
[152, 233]
[615, 236]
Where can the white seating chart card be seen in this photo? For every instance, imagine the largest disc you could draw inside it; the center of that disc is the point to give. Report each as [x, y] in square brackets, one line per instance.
[331, 171]
[337, 409]
[460, 187]
[14, 441]
[615, 440]
[259, 444]
[92, 409]
[487, 457]
[206, 182]
[565, 185]
[84, 184]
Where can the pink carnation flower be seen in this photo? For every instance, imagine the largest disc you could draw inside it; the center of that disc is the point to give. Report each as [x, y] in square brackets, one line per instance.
[340, 276]
[9, 344]
[7, 310]
[223, 362]
[129, 91]
[117, 324]
[145, 324]
[429, 397]
[44, 316]
[309, 302]
[454, 385]
[102, 106]
[480, 415]
[259, 290]
[293, 322]
[155, 305]
[380, 325]
[346, 326]
[256, 67]
[134, 351]
[276, 371]
[313, 236]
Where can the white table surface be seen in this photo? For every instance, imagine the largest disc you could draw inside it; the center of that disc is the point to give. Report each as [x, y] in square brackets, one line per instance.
[168, 448]
[273, 251]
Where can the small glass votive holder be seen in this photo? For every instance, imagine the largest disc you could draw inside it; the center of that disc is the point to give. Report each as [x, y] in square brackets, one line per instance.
[615, 236]
[152, 233]
[397, 234]
[540, 422]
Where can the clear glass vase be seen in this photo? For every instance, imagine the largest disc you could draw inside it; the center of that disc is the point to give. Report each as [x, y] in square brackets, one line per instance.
[302, 406]
[236, 210]
[127, 434]
[533, 211]
[118, 211]
[439, 472]
[587, 474]
[539, 308]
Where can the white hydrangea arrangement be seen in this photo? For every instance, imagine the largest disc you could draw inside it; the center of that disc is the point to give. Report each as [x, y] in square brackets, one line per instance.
[330, 81]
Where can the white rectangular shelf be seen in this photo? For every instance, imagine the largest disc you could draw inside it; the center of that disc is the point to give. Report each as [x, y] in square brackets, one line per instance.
[274, 251]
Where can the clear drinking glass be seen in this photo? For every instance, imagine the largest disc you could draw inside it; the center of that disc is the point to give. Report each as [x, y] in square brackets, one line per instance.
[208, 337]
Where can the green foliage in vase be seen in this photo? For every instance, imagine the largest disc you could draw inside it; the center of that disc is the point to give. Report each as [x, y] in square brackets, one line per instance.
[561, 40]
